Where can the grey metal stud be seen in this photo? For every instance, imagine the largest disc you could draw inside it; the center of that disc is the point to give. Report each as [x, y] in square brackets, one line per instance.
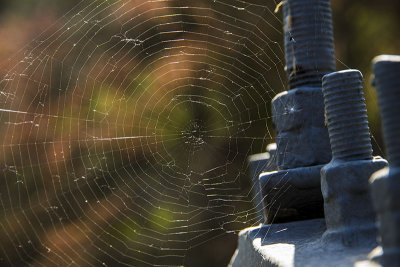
[387, 82]
[349, 212]
[308, 39]
[346, 115]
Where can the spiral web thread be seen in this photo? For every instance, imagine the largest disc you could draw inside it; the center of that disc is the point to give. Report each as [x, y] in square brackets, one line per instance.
[125, 130]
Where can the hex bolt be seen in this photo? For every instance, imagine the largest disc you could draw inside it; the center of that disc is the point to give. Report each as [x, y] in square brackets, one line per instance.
[387, 82]
[308, 40]
[349, 213]
[385, 184]
[346, 115]
[293, 191]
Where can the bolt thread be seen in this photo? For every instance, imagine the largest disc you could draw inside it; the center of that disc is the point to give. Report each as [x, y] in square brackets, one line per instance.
[346, 115]
[308, 35]
[387, 82]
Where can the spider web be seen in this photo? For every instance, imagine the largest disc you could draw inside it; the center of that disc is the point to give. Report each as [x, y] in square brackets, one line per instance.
[125, 130]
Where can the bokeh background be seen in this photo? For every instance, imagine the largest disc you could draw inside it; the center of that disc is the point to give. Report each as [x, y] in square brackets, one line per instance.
[122, 150]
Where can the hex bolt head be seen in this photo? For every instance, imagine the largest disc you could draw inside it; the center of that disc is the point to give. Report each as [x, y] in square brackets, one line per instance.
[346, 115]
[292, 195]
[349, 212]
[302, 138]
[385, 187]
[309, 48]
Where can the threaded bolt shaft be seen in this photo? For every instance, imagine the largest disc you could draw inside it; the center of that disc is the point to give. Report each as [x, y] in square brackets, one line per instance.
[387, 82]
[308, 34]
[346, 115]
